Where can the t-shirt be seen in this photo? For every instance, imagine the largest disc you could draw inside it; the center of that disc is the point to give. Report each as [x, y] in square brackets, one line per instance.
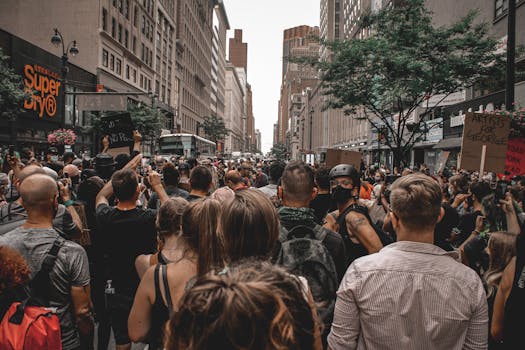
[322, 205]
[14, 215]
[193, 197]
[71, 269]
[126, 234]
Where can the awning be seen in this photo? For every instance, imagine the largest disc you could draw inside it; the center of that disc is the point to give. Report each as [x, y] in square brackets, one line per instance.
[454, 142]
[421, 145]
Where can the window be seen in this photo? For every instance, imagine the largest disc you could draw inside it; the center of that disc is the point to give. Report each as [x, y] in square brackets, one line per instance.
[127, 71]
[112, 62]
[113, 26]
[126, 9]
[169, 97]
[119, 66]
[143, 29]
[147, 55]
[141, 81]
[120, 6]
[170, 48]
[157, 64]
[142, 52]
[501, 7]
[120, 33]
[169, 73]
[104, 19]
[164, 47]
[115, 3]
[151, 58]
[149, 84]
[158, 40]
[157, 87]
[134, 75]
[134, 44]
[126, 39]
[163, 92]
[135, 16]
[104, 58]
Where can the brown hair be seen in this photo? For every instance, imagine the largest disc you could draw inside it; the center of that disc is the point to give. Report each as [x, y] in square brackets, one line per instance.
[14, 272]
[199, 230]
[252, 306]
[416, 200]
[169, 217]
[502, 248]
[298, 181]
[250, 225]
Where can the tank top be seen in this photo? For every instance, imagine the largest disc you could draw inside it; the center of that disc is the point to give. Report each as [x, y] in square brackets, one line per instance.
[160, 313]
[515, 306]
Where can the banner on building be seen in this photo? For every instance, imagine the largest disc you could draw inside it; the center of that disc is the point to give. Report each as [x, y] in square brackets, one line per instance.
[119, 128]
[515, 163]
[487, 130]
[339, 156]
[102, 102]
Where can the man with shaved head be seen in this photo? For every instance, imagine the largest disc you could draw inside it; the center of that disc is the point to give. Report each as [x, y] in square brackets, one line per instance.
[14, 214]
[69, 277]
[234, 181]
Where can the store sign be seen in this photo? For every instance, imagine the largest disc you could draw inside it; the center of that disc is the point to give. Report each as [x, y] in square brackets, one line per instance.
[45, 86]
[457, 120]
[444, 99]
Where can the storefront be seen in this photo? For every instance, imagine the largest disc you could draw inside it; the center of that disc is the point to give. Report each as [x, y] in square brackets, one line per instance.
[43, 113]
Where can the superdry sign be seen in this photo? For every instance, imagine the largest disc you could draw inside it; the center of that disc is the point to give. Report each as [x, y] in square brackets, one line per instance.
[44, 85]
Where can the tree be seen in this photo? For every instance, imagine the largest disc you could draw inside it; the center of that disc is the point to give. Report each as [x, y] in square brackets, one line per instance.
[214, 128]
[389, 76]
[279, 151]
[12, 94]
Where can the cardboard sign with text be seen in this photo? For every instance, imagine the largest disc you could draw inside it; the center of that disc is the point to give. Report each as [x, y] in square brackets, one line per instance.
[515, 164]
[491, 131]
[120, 128]
[338, 156]
[443, 161]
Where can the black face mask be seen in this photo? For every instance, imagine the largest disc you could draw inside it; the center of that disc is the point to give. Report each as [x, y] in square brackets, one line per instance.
[341, 195]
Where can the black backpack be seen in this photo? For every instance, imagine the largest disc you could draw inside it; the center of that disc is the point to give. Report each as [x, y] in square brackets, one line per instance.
[303, 253]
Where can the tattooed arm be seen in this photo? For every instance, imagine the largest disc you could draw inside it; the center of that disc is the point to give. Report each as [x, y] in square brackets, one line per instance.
[359, 227]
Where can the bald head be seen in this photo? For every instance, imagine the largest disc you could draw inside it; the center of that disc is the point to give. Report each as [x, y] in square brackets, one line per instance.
[38, 193]
[234, 176]
[30, 170]
[71, 170]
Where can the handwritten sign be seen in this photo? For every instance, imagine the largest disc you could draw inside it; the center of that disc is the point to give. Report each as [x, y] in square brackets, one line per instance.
[515, 163]
[120, 128]
[338, 156]
[491, 131]
[443, 161]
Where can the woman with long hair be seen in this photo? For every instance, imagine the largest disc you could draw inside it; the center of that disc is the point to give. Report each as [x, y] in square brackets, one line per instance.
[196, 250]
[250, 306]
[501, 249]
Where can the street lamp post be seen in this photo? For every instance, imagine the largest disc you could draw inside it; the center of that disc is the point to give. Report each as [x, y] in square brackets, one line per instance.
[57, 39]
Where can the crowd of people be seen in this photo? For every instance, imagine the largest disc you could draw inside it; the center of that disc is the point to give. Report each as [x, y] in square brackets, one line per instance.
[216, 254]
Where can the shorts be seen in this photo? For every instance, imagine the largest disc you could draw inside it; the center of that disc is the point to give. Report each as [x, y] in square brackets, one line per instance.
[119, 307]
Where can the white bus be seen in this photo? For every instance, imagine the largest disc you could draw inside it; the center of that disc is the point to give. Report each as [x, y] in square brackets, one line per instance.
[187, 145]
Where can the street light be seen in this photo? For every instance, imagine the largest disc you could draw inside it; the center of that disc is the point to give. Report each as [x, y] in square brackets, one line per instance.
[57, 39]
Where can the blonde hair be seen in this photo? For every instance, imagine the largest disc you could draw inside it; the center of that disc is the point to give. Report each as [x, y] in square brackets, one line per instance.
[502, 248]
[416, 200]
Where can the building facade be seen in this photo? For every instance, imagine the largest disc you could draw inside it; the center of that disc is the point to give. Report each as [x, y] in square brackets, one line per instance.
[234, 110]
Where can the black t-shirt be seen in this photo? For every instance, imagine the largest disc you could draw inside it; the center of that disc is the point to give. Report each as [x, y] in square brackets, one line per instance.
[322, 205]
[126, 235]
[467, 224]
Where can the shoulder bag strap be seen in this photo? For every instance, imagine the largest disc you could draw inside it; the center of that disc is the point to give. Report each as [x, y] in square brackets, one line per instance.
[157, 285]
[164, 269]
[41, 284]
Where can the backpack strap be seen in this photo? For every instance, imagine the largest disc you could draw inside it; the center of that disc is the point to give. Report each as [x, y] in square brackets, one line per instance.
[164, 269]
[320, 232]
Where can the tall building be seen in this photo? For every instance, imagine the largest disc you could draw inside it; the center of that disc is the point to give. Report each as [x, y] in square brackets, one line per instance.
[331, 23]
[258, 142]
[297, 42]
[250, 121]
[218, 64]
[117, 40]
[193, 59]
[238, 51]
[234, 109]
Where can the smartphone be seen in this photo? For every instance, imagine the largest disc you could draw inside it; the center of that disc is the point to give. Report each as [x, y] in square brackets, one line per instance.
[11, 150]
[501, 191]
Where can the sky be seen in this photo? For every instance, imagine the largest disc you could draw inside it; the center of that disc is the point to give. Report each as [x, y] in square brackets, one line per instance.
[263, 23]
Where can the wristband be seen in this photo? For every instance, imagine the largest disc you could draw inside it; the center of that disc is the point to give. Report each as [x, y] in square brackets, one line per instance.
[69, 203]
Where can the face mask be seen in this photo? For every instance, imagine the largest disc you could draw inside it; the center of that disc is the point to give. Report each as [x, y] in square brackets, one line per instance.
[341, 195]
[54, 158]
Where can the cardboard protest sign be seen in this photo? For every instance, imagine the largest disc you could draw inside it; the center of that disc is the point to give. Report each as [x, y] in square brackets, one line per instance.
[515, 163]
[487, 130]
[338, 156]
[120, 128]
[443, 161]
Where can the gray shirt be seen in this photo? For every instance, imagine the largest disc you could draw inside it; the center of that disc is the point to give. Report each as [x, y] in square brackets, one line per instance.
[71, 269]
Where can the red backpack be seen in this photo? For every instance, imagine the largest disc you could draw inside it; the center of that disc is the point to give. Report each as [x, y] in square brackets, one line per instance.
[30, 325]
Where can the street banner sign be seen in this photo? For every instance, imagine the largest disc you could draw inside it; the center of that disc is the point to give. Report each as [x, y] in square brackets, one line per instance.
[338, 156]
[515, 163]
[120, 128]
[484, 145]
[102, 102]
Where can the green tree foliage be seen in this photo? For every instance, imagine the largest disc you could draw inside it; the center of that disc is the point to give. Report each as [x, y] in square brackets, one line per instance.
[12, 94]
[404, 61]
[279, 151]
[214, 128]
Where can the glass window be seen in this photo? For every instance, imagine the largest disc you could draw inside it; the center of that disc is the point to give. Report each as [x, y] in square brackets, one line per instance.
[142, 52]
[119, 66]
[158, 40]
[120, 7]
[126, 39]
[127, 71]
[134, 75]
[501, 7]
[143, 24]
[157, 65]
[112, 62]
[104, 58]
[135, 16]
[141, 81]
[157, 87]
[113, 26]
[134, 44]
[126, 9]
[104, 19]
[120, 33]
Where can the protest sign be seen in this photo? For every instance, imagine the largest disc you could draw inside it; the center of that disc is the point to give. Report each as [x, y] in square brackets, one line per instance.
[485, 137]
[442, 161]
[119, 128]
[338, 156]
[515, 163]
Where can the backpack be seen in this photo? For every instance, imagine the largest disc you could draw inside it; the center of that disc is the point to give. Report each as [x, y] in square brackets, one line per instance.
[30, 325]
[303, 254]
